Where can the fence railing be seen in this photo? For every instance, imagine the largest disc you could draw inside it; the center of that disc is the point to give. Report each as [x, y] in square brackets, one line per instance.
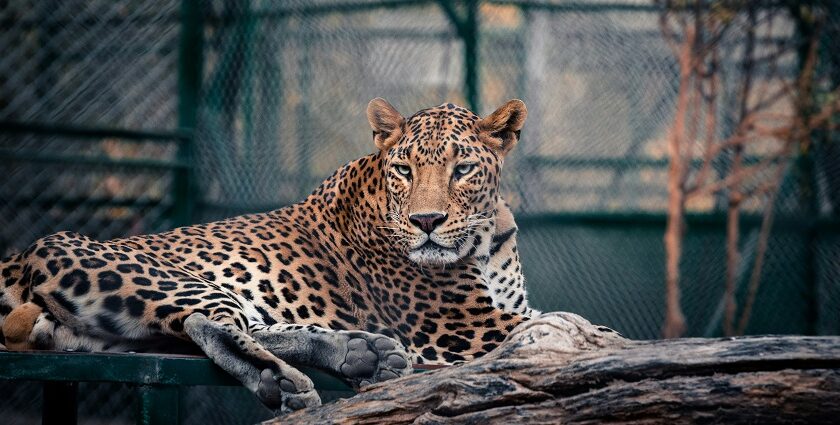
[157, 379]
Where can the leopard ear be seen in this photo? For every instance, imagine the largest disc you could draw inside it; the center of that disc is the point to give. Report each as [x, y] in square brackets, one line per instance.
[500, 130]
[385, 122]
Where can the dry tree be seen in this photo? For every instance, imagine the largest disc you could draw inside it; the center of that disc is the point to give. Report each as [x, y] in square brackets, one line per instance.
[775, 117]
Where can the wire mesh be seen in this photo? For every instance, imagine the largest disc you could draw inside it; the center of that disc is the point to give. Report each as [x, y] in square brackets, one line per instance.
[100, 403]
[104, 64]
[107, 188]
[312, 96]
[283, 91]
[96, 63]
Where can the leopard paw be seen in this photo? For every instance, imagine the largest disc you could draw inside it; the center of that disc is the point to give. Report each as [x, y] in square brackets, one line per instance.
[373, 358]
[283, 395]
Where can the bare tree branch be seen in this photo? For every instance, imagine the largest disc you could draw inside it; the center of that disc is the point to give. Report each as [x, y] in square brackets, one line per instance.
[760, 251]
[674, 319]
[694, 32]
[733, 232]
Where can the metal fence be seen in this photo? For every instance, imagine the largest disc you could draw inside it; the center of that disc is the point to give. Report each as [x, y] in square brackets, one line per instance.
[128, 117]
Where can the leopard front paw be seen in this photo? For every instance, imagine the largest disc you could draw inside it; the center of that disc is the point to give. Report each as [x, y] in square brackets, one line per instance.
[373, 358]
[283, 395]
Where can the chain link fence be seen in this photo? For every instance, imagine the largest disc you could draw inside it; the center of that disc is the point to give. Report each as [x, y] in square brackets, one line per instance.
[130, 117]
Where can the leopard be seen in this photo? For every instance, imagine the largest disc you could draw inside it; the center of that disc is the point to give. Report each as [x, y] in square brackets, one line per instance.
[403, 257]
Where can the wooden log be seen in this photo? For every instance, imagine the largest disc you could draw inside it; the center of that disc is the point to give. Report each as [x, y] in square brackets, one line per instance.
[559, 368]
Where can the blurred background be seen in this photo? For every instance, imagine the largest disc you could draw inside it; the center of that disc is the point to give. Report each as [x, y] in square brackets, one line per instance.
[128, 117]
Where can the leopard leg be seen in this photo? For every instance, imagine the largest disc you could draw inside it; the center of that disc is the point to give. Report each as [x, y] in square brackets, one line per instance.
[358, 357]
[141, 300]
[278, 385]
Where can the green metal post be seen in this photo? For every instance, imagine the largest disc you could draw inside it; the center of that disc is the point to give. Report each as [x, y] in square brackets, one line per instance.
[221, 92]
[807, 29]
[248, 26]
[808, 185]
[304, 118]
[467, 27]
[470, 33]
[190, 61]
[59, 406]
[158, 405]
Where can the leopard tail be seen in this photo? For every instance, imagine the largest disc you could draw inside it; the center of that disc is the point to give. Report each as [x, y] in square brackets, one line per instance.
[13, 289]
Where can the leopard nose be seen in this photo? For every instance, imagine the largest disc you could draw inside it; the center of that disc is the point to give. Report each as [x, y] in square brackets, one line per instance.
[427, 222]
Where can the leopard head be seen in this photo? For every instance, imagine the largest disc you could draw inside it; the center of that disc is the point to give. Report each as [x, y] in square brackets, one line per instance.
[442, 171]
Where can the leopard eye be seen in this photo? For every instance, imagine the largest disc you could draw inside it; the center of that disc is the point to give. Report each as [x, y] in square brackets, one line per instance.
[403, 170]
[463, 169]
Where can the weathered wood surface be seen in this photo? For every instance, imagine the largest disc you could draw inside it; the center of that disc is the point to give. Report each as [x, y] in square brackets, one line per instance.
[559, 368]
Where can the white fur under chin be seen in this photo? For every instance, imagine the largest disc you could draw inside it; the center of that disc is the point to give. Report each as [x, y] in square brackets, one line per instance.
[433, 256]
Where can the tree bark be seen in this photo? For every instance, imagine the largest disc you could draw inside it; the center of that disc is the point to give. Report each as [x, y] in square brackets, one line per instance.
[559, 368]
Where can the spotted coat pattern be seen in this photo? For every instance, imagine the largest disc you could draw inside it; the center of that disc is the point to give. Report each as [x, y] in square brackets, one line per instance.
[349, 257]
